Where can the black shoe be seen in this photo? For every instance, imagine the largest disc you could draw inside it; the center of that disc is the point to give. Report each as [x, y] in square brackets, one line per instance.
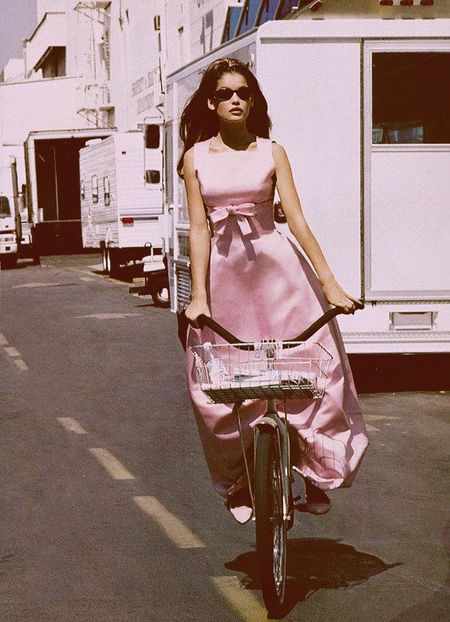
[317, 501]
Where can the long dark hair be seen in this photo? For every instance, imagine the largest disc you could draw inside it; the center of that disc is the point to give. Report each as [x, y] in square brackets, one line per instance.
[198, 122]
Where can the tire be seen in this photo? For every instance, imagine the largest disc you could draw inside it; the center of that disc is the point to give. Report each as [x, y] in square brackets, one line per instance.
[161, 297]
[271, 530]
[107, 261]
[104, 262]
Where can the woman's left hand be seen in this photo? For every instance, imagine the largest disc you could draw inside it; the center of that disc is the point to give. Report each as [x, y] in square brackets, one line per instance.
[337, 297]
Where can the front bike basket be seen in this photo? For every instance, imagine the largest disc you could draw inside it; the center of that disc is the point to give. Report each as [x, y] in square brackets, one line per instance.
[266, 370]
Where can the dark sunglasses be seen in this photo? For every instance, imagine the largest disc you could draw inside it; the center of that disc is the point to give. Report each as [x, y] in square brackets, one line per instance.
[224, 94]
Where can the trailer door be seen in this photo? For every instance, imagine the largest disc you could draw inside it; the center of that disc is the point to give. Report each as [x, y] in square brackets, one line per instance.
[406, 170]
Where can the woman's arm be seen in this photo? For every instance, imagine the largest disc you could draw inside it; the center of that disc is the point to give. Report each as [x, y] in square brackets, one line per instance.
[199, 240]
[303, 234]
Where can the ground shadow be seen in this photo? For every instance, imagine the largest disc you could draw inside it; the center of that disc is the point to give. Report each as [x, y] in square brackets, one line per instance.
[123, 273]
[314, 564]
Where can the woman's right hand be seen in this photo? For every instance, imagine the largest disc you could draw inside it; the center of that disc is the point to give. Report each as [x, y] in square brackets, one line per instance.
[195, 308]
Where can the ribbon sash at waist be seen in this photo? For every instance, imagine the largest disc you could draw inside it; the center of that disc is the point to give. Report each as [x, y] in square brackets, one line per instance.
[221, 214]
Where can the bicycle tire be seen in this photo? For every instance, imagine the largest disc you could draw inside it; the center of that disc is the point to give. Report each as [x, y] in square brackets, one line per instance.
[271, 530]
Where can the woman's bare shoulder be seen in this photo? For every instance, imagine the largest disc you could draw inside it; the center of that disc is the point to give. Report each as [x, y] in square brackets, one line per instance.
[279, 153]
[188, 160]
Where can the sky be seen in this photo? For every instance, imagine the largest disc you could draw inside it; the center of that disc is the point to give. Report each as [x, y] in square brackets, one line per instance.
[18, 19]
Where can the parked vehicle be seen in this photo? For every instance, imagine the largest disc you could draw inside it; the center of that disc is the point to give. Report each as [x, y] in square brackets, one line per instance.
[53, 187]
[9, 234]
[119, 214]
[12, 238]
[358, 106]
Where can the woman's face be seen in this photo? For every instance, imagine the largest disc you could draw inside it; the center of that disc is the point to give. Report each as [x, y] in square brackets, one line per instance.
[232, 100]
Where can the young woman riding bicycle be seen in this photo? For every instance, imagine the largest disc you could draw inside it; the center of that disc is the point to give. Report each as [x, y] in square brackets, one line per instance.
[259, 285]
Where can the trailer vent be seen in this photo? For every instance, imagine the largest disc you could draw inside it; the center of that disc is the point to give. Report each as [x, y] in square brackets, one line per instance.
[183, 286]
[412, 320]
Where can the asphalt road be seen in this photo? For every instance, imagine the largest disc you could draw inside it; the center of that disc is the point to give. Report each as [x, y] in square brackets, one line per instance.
[107, 513]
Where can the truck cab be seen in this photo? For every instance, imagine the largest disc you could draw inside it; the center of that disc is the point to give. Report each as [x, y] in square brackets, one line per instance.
[9, 234]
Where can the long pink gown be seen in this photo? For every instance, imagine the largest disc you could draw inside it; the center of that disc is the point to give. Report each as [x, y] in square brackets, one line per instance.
[260, 286]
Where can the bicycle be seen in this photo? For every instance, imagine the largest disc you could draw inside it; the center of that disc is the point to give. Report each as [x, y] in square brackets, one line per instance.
[263, 371]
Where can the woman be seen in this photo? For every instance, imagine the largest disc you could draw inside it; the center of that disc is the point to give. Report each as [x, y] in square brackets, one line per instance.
[257, 284]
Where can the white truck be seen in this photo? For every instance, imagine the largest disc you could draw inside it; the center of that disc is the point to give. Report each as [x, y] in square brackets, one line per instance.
[359, 107]
[11, 209]
[121, 202]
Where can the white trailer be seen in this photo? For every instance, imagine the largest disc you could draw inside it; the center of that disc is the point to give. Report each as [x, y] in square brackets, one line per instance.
[121, 206]
[361, 107]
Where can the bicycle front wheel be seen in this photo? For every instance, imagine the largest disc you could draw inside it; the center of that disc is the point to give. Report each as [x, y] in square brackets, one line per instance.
[271, 529]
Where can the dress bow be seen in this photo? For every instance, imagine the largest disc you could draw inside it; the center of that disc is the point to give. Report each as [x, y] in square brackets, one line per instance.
[220, 215]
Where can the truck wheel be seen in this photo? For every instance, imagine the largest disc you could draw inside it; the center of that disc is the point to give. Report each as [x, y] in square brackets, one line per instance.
[104, 262]
[161, 298]
[107, 261]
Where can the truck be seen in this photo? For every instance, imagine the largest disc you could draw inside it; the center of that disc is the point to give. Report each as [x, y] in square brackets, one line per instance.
[11, 210]
[53, 188]
[358, 106]
[121, 202]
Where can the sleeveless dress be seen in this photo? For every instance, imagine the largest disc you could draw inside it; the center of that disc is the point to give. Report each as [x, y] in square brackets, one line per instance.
[260, 286]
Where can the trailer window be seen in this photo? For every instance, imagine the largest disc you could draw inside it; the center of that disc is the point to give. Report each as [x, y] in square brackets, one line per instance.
[231, 21]
[106, 192]
[5, 211]
[248, 16]
[152, 136]
[411, 97]
[267, 11]
[94, 182]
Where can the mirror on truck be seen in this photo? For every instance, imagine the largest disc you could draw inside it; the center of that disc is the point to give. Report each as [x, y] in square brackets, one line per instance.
[94, 181]
[106, 191]
[151, 136]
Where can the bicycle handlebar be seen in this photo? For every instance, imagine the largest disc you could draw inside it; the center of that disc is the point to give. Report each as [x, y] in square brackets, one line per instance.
[204, 320]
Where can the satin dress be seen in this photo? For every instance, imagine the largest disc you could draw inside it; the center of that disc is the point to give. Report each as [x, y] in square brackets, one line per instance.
[260, 286]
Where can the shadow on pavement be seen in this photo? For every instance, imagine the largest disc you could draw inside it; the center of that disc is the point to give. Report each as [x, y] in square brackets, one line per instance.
[314, 564]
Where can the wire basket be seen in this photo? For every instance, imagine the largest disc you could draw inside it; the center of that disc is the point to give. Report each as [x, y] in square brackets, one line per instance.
[263, 370]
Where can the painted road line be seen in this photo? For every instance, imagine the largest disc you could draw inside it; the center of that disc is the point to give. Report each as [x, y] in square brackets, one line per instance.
[71, 425]
[111, 464]
[174, 529]
[380, 417]
[243, 601]
[12, 352]
[31, 285]
[86, 278]
[3, 340]
[106, 316]
[21, 364]
[371, 428]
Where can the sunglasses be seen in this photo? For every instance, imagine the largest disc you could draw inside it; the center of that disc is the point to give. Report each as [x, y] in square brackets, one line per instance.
[225, 93]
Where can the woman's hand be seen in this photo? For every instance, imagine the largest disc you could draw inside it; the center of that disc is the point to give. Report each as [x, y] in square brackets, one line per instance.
[337, 297]
[195, 308]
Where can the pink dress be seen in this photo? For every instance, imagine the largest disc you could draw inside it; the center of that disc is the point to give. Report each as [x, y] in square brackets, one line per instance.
[260, 286]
